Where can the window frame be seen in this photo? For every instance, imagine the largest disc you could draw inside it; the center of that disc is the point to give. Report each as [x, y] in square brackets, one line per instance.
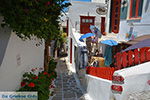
[136, 10]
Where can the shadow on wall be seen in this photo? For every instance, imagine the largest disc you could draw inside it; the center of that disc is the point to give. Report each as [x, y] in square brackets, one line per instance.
[4, 39]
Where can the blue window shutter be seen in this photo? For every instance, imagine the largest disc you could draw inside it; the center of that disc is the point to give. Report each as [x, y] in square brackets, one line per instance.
[140, 8]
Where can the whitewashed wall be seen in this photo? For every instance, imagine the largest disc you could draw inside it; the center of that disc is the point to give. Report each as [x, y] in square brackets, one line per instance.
[75, 10]
[83, 8]
[13, 48]
[141, 28]
[136, 79]
[98, 88]
[98, 1]
[75, 43]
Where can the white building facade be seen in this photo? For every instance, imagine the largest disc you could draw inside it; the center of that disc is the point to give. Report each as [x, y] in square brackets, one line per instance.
[78, 9]
[98, 1]
[16, 57]
[134, 19]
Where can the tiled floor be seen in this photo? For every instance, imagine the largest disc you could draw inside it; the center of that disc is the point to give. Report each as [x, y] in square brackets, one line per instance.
[66, 86]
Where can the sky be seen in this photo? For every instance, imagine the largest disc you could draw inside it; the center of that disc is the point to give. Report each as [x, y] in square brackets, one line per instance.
[76, 0]
[82, 0]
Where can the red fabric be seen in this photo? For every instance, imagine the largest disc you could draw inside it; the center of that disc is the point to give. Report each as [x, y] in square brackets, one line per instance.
[148, 54]
[130, 58]
[117, 78]
[118, 60]
[142, 55]
[137, 56]
[102, 72]
[117, 88]
[124, 59]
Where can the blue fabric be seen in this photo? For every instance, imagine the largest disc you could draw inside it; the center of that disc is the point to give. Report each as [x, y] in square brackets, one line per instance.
[86, 36]
[108, 56]
[84, 56]
[96, 31]
[109, 42]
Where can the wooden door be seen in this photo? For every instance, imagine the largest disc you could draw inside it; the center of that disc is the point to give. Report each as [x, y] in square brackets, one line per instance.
[85, 22]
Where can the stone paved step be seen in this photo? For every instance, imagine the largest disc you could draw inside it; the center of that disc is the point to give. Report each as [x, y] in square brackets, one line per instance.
[66, 86]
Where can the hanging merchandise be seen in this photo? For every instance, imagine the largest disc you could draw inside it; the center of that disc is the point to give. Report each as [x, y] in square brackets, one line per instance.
[84, 58]
[97, 33]
[81, 57]
[95, 64]
[108, 55]
[95, 30]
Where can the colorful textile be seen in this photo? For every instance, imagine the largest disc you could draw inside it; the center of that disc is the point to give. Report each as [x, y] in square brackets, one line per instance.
[108, 55]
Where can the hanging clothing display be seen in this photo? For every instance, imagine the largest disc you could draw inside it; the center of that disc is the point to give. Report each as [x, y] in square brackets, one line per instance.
[108, 55]
[84, 58]
[81, 58]
[97, 33]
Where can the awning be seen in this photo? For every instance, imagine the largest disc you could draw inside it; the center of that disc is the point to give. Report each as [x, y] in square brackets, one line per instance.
[141, 44]
[110, 36]
[138, 39]
[75, 35]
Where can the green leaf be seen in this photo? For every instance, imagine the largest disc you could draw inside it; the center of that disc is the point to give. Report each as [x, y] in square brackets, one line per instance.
[3, 25]
[26, 17]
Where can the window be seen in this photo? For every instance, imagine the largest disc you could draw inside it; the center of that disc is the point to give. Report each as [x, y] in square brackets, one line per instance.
[83, 20]
[136, 8]
[90, 20]
[87, 20]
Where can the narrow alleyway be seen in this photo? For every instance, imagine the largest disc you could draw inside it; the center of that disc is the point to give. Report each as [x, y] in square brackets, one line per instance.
[66, 85]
